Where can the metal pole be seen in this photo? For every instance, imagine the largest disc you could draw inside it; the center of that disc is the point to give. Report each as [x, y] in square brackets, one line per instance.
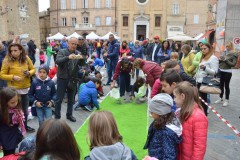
[115, 16]
[57, 17]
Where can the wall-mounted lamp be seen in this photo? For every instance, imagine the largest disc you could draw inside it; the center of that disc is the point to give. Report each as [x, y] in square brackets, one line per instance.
[7, 9]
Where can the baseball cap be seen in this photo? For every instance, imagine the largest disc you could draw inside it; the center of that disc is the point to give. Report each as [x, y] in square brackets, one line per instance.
[156, 37]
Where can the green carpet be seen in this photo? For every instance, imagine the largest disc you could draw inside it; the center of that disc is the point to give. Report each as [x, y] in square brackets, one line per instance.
[131, 119]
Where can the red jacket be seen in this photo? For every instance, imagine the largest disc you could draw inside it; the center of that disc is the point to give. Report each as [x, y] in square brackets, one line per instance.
[193, 146]
[124, 70]
[122, 51]
[152, 70]
[157, 87]
[52, 72]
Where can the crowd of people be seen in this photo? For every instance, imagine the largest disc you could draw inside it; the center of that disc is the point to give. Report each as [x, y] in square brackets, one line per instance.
[174, 74]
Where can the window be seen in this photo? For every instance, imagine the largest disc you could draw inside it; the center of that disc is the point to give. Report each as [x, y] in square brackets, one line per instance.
[175, 9]
[125, 21]
[157, 21]
[108, 3]
[63, 4]
[73, 4]
[74, 21]
[97, 21]
[97, 3]
[85, 19]
[196, 19]
[108, 21]
[85, 3]
[64, 22]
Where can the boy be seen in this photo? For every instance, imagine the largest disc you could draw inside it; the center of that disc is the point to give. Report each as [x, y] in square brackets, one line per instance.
[43, 94]
[169, 79]
[88, 95]
[98, 63]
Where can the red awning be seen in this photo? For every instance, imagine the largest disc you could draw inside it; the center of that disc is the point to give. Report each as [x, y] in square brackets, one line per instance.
[207, 33]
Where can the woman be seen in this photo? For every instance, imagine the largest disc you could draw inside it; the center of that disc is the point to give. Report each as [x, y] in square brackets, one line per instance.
[137, 52]
[164, 52]
[17, 68]
[226, 62]
[187, 60]
[177, 48]
[55, 139]
[124, 50]
[49, 52]
[208, 67]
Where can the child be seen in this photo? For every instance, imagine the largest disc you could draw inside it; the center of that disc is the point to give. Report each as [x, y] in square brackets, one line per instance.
[98, 63]
[194, 122]
[42, 57]
[88, 95]
[43, 93]
[174, 55]
[105, 139]
[140, 81]
[12, 126]
[100, 88]
[165, 131]
[169, 80]
[53, 71]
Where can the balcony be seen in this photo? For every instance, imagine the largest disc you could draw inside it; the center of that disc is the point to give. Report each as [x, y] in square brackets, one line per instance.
[85, 27]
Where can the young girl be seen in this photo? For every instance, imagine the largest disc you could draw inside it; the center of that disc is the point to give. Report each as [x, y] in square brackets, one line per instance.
[42, 57]
[165, 131]
[193, 120]
[12, 127]
[105, 139]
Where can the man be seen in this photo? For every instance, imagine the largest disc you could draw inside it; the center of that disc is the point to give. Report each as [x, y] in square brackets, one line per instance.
[82, 47]
[112, 54]
[154, 48]
[32, 50]
[63, 43]
[98, 48]
[3, 52]
[68, 61]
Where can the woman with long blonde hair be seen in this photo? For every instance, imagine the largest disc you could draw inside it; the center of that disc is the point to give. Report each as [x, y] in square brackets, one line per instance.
[208, 67]
[105, 139]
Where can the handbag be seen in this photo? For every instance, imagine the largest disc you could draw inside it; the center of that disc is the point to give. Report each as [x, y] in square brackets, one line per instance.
[210, 85]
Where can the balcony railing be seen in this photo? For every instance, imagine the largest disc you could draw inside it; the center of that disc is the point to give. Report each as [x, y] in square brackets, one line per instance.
[85, 26]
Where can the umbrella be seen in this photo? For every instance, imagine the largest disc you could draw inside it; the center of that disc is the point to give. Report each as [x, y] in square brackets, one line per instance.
[57, 36]
[106, 36]
[75, 34]
[92, 35]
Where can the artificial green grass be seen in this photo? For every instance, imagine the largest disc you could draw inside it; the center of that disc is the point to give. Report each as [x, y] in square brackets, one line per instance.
[131, 119]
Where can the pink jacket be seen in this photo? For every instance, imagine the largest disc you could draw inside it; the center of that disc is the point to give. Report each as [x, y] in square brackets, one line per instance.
[42, 57]
[193, 146]
[157, 87]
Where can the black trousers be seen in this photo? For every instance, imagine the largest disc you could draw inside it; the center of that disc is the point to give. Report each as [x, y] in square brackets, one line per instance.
[204, 97]
[8, 152]
[225, 78]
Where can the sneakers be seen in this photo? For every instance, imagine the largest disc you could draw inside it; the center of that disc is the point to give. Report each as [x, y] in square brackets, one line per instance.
[89, 108]
[225, 104]
[218, 101]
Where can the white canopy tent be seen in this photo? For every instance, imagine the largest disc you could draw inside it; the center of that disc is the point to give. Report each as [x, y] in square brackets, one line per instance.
[57, 36]
[106, 36]
[199, 36]
[75, 34]
[92, 35]
[181, 37]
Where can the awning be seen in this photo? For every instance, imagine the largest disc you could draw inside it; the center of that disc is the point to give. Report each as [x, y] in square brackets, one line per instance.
[207, 33]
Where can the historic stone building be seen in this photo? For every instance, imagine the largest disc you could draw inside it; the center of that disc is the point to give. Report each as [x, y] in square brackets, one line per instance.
[44, 22]
[19, 17]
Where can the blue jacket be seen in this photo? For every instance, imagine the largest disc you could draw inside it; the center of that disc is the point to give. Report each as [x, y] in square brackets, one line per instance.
[162, 143]
[174, 107]
[161, 57]
[42, 91]
[63, 45]
[137, 52]
[3, 53]
[98, 62]
[113, 50]
[88, 95]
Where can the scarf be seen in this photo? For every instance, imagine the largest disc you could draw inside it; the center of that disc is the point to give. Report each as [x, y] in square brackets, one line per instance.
[18, 118]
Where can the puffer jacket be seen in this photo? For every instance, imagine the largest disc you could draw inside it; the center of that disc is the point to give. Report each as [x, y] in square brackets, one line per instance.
[229, 61]
[137, 52]
[88, 95]
[187, 62]
[193, 146]
[11, 68]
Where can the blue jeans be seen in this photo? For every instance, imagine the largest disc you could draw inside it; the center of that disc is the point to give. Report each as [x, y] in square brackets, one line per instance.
[49, 60]
[3, 84]
[43, 113]
[125, 81]
[99, 52]
[112, 67]
[25, 105]
[61, 89]
[137, 73]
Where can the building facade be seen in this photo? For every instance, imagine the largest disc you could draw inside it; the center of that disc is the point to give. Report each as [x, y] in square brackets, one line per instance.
[44, 23]
[19, 17]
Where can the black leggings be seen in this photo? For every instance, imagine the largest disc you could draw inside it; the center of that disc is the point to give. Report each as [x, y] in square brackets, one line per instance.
[225, 78]
[8, 152]
[204, 97]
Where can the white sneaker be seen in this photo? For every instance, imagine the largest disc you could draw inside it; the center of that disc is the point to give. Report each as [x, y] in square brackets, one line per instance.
[218, 101]
[225, 104]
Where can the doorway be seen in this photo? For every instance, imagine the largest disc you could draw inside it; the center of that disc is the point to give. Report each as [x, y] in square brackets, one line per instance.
[141, 32]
